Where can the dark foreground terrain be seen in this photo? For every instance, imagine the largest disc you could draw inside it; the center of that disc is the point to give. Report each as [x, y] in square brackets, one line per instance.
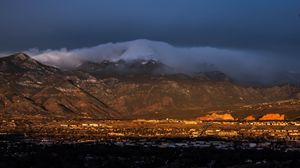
[148, 143]
[17, 151]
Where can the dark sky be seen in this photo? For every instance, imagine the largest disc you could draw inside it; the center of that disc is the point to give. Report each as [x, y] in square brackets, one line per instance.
[257, 25]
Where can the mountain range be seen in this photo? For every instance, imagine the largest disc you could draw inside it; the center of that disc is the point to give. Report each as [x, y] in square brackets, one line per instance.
[132, 89]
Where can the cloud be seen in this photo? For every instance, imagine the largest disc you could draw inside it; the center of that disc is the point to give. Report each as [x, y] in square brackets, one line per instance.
[240, 65]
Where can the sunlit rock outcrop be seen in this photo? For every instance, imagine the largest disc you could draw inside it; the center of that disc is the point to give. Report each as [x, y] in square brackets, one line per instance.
[249, 118]
[272, 117]
[215, 116]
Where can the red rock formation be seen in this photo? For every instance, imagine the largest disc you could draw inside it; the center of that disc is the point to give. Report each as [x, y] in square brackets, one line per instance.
[272, 117]
[249, 118]
[215, 116]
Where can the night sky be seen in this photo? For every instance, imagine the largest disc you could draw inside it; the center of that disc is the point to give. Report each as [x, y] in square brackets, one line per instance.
[268, 25]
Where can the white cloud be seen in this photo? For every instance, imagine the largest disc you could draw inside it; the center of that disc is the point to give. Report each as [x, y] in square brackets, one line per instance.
[235, 63]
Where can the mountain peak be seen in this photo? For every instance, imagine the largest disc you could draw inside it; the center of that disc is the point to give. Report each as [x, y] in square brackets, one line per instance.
[21, 62]
[20, 56]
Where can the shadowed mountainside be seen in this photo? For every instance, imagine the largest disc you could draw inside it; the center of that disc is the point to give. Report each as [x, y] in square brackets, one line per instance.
[137, 89]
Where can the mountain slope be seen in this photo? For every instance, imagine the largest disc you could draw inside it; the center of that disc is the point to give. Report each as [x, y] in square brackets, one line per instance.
[31, 88]
[168, 97]
[122, 68]
[20, 63]
[138, 89]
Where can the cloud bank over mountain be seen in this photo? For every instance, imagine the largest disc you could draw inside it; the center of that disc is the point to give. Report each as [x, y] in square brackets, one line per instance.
[240, 65]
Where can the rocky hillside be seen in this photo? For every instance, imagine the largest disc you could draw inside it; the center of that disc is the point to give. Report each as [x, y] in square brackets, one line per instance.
[28, 87]
[139, 89]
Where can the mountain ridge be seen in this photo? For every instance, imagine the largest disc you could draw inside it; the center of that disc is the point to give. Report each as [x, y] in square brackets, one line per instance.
[22, 62]
[41, 90]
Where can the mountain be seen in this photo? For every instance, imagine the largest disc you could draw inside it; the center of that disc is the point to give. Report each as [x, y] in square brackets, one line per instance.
[290, 77]
[132, 89]
[20, 63]
[29, 87]
[140, 68]
[122, 68]
[276, 78]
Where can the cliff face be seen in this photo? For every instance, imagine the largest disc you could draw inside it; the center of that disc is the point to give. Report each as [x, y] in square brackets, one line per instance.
[272, 117]
[215, 116]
